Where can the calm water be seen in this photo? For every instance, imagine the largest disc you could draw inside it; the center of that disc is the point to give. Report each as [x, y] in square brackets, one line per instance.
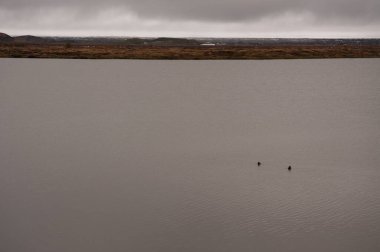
[161, 155]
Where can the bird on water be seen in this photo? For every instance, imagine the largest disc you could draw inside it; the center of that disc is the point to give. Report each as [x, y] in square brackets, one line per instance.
[258, 163]
[289, 168]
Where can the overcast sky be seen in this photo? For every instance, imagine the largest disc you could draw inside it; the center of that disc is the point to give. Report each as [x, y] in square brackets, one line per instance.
[192, 18]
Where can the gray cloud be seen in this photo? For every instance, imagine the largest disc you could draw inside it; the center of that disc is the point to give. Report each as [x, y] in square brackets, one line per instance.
[350, 16]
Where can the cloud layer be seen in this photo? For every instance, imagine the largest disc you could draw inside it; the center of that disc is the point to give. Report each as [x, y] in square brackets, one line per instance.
[222, 18]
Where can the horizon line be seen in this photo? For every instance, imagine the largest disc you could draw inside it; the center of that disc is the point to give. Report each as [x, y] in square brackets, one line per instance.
[192, 37]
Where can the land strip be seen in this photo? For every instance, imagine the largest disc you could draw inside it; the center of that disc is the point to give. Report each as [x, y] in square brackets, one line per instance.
[12, 50]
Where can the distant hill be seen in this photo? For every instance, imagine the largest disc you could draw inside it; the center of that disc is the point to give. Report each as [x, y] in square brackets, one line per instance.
[22, 39]
[29, 39]
[174, 42]
[184, 42]
[5, 37]
[125, 41]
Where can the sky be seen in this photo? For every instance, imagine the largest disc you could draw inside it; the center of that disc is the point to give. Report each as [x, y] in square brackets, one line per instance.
[193, 18]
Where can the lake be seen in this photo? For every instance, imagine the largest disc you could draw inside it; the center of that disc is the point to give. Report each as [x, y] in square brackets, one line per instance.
[128, 155]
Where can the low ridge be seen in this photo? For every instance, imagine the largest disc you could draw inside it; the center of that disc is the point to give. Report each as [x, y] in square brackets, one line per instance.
[5, 37]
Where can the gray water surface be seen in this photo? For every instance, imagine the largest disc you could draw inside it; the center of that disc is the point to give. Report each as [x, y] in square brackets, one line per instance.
[162, 155]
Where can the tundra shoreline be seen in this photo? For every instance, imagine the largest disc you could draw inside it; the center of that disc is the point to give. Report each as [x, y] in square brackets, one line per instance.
[69, 51]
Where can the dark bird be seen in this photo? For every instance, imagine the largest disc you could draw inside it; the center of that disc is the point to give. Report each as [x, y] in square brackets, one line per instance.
[289, 168]
[258, 163]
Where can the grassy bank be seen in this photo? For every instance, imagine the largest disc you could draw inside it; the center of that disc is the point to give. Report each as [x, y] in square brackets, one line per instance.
[187, 52]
